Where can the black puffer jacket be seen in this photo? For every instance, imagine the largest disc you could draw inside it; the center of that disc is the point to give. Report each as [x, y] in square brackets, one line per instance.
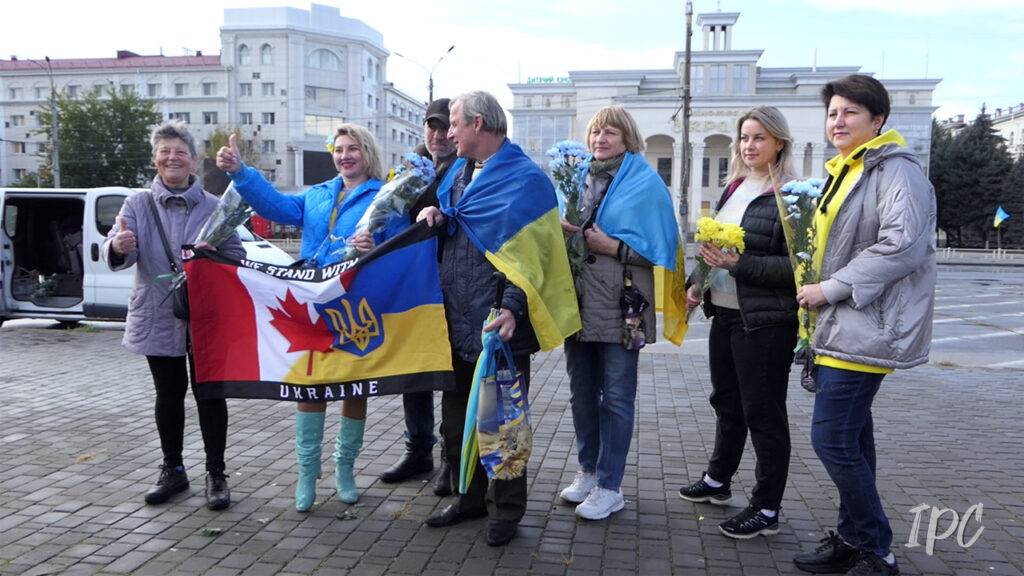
[764, 276]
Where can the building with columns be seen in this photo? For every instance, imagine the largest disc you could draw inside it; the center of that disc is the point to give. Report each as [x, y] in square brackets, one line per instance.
[285, 78]
[724, 84]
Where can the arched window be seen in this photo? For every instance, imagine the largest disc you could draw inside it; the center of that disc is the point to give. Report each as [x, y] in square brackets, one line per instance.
[243, 55]
[266, 55]
[376, 70]
[369, 68]
[323, 59]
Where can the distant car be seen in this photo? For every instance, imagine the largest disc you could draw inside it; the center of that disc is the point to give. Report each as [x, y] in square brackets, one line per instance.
[260, 249]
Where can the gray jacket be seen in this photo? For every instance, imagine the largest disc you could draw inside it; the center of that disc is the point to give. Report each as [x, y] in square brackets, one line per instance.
[151, 328]
[879, 269]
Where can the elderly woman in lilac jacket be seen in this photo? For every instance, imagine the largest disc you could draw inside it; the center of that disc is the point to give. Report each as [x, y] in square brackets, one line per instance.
[152, 330]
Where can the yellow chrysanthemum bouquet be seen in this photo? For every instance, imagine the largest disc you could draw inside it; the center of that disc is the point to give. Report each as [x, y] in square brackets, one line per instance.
[725, 237]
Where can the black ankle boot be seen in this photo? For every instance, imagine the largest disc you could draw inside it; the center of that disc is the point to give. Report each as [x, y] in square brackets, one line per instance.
[443, 486]
[413, 462]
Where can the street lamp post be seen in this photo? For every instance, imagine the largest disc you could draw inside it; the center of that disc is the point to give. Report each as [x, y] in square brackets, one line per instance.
[685, 157]
[53, 127]
[430, 71]
[54, 153]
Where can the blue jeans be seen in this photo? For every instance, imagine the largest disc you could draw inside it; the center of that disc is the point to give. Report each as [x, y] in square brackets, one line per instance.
[843, 437]
[602, 381]
[419, 420]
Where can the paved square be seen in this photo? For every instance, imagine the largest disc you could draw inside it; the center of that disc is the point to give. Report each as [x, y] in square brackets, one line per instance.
[79, 448]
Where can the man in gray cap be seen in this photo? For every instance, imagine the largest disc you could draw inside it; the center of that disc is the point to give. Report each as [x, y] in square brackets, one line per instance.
[419, 406]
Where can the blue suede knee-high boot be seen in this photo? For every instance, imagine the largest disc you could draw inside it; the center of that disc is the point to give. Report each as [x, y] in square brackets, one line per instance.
[309, 437]
[346, 448]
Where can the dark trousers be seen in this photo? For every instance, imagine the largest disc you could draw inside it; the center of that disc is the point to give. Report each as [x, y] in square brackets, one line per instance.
[171, 380]
[749, 378]
[419, 420]
[504, 499]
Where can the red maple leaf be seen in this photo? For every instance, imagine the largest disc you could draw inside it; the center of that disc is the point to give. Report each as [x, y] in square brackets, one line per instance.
[292, 321]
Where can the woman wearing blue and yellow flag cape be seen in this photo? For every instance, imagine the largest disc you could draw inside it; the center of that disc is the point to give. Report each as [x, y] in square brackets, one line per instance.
[629, 227]
[497, 213]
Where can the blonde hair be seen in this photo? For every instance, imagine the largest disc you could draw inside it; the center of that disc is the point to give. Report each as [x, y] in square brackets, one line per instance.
[617, 117]
[368, 145]
[775, 123]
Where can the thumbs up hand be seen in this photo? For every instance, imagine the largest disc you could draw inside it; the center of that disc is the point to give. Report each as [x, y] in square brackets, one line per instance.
[124, 241]
[228, 158]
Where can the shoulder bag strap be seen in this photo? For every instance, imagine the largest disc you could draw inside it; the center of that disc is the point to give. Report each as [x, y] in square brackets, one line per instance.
[163, 235]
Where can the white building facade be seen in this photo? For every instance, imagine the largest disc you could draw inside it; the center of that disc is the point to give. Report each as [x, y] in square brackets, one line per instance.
[724, 84]
[1009, 123]
[285, 78]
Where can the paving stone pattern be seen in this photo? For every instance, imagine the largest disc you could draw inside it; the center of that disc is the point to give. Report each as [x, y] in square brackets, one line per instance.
[78, 448]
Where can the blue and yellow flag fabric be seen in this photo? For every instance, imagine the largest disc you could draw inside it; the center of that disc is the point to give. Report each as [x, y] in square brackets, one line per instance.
[510, 213]
[364, 327]
[1000, 216]
[637, 209]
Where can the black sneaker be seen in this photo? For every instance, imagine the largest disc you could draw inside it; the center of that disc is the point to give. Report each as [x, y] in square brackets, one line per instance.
[833, 556]
[700, 491]
[172, 480]
[869, 564]
[750, 523]
[218, 495]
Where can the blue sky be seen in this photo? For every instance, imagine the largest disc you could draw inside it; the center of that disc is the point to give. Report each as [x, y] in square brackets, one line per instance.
[974, 47]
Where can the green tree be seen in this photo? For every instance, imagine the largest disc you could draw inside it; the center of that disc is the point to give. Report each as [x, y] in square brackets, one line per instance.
[973, 176]
[103, 140]
[1012, 200]
[946, 197]
[29, 180]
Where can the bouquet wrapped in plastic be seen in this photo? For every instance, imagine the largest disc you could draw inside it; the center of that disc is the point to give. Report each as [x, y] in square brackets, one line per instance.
[567, 165]
[798, 201]
[394, 199]
[725, 237]
[231, 211]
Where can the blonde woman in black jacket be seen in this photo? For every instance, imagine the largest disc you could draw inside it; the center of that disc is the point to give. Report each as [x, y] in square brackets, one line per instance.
[751, 302]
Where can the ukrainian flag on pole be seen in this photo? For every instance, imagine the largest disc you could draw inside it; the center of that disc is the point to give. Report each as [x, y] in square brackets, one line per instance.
[1000, 216]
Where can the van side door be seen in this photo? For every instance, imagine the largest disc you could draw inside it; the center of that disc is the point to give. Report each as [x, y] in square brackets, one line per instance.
[106, 292]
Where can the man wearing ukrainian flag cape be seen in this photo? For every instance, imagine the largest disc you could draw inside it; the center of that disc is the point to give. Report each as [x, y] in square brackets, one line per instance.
[498, 212]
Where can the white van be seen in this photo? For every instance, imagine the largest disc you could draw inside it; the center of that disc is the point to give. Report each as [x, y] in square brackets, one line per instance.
[50, 265]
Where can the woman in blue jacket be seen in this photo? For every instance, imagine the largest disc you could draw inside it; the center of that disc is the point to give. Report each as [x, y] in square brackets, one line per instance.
[328, 214]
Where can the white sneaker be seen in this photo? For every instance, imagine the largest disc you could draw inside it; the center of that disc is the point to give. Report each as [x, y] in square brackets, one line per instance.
[581, 486]
[600, 504]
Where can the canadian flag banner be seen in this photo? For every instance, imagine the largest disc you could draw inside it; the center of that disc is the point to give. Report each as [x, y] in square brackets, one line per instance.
[365, 327]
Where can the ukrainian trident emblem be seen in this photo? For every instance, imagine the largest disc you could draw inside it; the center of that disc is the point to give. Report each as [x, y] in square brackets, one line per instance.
[350, 330]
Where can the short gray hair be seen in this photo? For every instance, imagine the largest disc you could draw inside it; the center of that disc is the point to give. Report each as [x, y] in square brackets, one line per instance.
[484, 105]
[171, 130]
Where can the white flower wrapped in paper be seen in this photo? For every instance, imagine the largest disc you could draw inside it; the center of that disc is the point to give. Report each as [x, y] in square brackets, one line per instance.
[231, 211]
[394, 199]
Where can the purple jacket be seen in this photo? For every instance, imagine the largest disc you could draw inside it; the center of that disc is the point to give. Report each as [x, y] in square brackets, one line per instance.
[152, 329]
